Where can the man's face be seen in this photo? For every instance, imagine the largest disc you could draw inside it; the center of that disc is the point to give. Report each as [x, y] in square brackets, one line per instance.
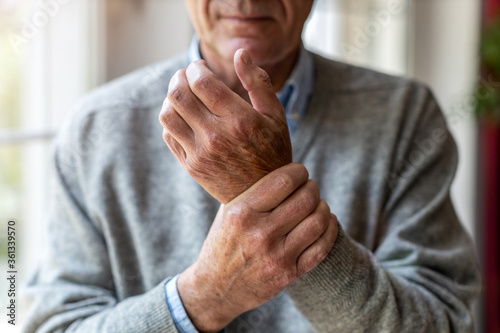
[269, 29]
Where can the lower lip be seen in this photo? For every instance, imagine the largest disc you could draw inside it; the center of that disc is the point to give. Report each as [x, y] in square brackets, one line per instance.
[247, 20]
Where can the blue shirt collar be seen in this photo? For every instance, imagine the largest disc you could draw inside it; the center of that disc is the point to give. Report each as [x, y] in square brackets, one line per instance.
[297, 90]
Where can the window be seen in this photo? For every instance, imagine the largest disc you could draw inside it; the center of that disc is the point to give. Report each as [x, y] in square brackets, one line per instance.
[48, 58]
[367, 33]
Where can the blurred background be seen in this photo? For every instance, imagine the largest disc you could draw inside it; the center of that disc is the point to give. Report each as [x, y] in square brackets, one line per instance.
[53, 51]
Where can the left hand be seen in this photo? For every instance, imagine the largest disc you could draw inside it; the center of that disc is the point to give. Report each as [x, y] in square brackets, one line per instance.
[225, 143]
[259, 243]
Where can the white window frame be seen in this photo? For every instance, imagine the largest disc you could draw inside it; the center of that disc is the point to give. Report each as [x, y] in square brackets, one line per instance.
[61, 48]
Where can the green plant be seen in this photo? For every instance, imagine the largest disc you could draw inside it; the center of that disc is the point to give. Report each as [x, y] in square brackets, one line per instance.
[488, 88]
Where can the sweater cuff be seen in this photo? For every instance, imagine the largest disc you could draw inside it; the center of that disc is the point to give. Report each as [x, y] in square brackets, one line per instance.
[342, 276]
[151, 313]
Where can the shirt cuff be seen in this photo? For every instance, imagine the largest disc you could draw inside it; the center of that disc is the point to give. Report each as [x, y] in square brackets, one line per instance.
[181, 319]
[179, 314]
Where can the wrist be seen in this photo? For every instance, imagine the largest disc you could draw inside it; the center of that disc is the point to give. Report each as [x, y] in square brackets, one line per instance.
[201, 302]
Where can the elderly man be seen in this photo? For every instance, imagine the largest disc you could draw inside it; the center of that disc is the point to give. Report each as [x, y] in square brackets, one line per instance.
[223, 229]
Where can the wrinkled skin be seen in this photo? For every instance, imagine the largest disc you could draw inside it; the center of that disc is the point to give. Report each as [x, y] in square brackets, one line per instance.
[224, 142]
[264, 240]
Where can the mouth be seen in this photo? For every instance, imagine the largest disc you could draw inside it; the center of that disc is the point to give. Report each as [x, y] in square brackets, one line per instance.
[246, 18]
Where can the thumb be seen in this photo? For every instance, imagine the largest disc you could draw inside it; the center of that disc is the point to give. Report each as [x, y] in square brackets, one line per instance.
[256, 81]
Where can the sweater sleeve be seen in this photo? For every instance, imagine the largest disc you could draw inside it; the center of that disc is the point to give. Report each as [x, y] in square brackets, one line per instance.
[72, 289]
[422, 275]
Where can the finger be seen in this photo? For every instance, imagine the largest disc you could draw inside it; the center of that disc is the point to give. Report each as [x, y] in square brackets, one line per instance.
[258, 84]
[296, 208]
[318, 250]
[174, 146]
[309, 230]
[185, 102]
[211, 91]
[173, 123]
[272, 189]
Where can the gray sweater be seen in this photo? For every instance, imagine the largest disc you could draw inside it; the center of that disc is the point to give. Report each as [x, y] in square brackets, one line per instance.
[126, 217]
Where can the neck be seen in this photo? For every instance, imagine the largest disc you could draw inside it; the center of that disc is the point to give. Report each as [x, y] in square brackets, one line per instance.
[224, 69]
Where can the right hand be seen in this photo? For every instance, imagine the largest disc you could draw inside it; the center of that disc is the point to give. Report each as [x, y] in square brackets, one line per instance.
[225, 143]
[259, 243]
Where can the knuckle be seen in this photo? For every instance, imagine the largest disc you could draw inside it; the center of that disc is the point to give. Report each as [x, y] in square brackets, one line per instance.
[215, 141]
[313, 185]
[166, 115]
[161, 119]
[322, 252]
[194, 69]
[175, 86]
[304, 266]
[165, 104]
[318, 253]
[246, 130]
[259, 239]
[176, 77]
[237, 214]
[282, 279]
[166, 136]
[277, 275]
[284, 181]
[243, 127]
[264, 78]
[176, 94]
[202, 83]
[309, 198]
[197, 64]
[299, 170]
[264, 134]
[180, 74]
[317, 225]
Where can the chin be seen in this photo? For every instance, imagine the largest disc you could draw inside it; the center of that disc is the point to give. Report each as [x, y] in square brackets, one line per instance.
[262, 52]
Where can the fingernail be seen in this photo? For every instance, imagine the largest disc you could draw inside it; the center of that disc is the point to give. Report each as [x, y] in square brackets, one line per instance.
[246, 58]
